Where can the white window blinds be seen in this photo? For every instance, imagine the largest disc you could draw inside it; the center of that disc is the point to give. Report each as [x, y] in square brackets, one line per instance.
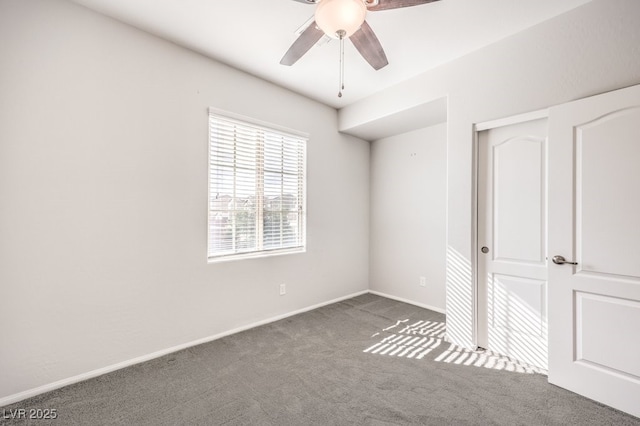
[256, 189]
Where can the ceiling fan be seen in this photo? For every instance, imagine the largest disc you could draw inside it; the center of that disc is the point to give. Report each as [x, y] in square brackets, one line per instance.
[342, 19]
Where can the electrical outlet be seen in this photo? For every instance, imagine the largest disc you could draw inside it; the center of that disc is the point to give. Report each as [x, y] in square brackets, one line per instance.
[283, 289]
[423, 282]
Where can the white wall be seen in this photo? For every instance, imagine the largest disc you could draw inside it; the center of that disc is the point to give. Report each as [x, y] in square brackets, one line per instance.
[592, 49]
[408, 216]
[103, 198]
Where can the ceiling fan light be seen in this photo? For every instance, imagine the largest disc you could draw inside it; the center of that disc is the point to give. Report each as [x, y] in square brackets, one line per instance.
[333, 16]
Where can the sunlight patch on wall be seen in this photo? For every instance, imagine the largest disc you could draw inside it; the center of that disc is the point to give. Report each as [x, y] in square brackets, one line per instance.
[459, 298]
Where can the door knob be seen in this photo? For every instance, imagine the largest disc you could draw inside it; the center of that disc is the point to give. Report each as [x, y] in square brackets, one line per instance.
[485, 250]
[560, 260]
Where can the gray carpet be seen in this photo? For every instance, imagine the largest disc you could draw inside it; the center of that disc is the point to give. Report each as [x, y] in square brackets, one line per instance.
[364, 361]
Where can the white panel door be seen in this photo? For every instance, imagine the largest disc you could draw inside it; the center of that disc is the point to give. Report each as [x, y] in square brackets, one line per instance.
[512, 267]
[594, 221]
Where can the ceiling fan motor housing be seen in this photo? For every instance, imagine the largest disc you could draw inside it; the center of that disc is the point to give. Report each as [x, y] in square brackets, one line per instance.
[340, 18]
[367, 2]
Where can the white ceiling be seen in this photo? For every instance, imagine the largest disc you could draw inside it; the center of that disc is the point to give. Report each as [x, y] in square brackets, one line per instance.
[252, 35]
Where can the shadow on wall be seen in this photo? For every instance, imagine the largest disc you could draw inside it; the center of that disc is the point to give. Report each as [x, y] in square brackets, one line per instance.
[416, 340]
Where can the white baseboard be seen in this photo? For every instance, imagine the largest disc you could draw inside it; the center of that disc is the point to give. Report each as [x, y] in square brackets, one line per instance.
[11, 399]
[411, 302]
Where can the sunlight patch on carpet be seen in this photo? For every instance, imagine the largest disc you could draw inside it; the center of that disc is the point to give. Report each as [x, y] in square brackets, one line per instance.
[417, 340]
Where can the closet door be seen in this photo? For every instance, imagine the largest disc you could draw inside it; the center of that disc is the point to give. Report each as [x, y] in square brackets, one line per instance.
[594, 248]
[512, 246]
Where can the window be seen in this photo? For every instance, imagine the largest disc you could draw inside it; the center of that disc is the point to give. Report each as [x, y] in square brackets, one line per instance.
[257, 177]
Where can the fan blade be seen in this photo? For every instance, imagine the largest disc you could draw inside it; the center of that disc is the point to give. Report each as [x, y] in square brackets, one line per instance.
[307, 39]
[369, 46]
[395, 4]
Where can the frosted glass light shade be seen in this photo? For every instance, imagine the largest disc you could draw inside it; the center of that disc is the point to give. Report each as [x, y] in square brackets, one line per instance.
[336, 15]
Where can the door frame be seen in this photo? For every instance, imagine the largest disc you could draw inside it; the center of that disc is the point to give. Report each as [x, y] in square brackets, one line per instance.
[477, 128]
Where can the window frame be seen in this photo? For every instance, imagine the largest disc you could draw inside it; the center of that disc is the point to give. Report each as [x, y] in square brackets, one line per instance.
[302, 225]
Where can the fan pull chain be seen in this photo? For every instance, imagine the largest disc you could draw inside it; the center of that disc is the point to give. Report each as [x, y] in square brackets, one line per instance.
[341, 34]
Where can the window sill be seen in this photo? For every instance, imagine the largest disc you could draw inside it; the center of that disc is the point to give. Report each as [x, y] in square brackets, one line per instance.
[255, 255]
